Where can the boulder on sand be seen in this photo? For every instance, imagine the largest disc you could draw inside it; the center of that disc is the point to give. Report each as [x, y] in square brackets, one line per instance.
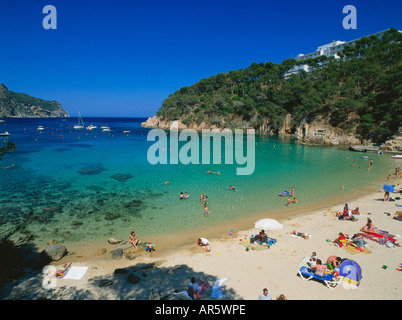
[54, 252]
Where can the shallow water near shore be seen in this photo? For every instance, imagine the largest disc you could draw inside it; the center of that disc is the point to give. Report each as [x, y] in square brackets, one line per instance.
[80, 186]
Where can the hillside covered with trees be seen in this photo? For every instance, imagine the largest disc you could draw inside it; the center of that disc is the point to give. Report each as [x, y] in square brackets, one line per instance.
[21, 105]
[360, 92]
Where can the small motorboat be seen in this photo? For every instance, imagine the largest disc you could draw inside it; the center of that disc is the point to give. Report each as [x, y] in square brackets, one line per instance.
[398, 156]
[40, 128]
[107, 129]
[284, 194]
[4, 134]
[126, 132]
[91, 127]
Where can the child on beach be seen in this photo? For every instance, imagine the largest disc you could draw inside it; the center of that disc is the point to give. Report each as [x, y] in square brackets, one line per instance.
[313, 260]
[150, 247]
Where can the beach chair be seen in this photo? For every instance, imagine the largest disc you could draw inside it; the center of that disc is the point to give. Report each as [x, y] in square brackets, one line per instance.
[330, 280]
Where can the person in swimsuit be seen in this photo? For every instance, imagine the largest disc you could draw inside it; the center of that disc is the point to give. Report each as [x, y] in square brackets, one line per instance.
[133, 239]
[369, 227]
[319, 268]
[206, 212]
[232, 188]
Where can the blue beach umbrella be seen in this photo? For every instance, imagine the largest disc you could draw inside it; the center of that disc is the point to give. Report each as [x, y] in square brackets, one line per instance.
[351, 272]
[388, 187]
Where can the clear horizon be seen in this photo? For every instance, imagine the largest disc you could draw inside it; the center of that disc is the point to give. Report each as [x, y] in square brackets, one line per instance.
[123, 58]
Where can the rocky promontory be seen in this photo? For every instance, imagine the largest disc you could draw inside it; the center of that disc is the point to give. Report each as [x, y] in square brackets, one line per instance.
[21, 105]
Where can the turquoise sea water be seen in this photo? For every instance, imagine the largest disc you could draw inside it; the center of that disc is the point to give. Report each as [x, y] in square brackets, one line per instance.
[64, 181]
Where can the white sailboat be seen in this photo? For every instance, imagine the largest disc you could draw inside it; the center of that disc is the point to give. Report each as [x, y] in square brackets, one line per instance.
[4, 134]
[80, 124]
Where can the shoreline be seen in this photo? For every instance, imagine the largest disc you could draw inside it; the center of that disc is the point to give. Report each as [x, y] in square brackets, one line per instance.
[248, 271]
[180, 239]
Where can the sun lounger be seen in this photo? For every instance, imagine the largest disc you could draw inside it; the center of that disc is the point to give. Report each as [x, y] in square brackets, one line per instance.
[330, 280]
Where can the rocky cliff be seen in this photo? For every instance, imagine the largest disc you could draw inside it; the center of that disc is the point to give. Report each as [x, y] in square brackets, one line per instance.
[20, 105]
[316, 131]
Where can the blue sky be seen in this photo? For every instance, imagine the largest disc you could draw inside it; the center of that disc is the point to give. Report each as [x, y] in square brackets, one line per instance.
[123, 58]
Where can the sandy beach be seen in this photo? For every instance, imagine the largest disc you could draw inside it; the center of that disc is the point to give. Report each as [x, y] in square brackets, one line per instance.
[248, 271]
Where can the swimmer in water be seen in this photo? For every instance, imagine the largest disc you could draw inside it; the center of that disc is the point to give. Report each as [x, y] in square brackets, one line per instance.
[206, 212]
[232, 188]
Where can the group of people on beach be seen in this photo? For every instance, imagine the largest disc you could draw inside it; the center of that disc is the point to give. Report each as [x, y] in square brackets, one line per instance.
[133, 240]
[348, 214]
[204, 202]
[357, 239]
[318, 267]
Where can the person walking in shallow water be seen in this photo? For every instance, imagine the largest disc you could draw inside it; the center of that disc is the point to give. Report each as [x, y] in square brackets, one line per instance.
[292, 192]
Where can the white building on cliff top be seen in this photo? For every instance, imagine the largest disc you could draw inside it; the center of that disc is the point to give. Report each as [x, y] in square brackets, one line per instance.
[330, 50]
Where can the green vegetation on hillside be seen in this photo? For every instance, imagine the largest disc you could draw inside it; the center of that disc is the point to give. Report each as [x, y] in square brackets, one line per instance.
[29, 100]
[362, 90]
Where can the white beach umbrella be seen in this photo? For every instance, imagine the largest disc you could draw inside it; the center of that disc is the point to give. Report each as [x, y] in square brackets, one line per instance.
[268, 224]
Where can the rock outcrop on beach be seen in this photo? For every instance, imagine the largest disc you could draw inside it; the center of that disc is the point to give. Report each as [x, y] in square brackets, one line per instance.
[394, 143]
[54, 252]
[20, 105]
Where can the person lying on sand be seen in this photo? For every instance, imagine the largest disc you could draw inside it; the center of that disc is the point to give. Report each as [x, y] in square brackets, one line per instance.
[301, 234]
[61, 272]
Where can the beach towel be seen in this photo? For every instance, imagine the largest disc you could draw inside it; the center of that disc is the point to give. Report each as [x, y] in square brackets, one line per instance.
[379, 235]
[216, 288]
[368, 236]
[352, 249]
[75, 273]
[254, 246]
